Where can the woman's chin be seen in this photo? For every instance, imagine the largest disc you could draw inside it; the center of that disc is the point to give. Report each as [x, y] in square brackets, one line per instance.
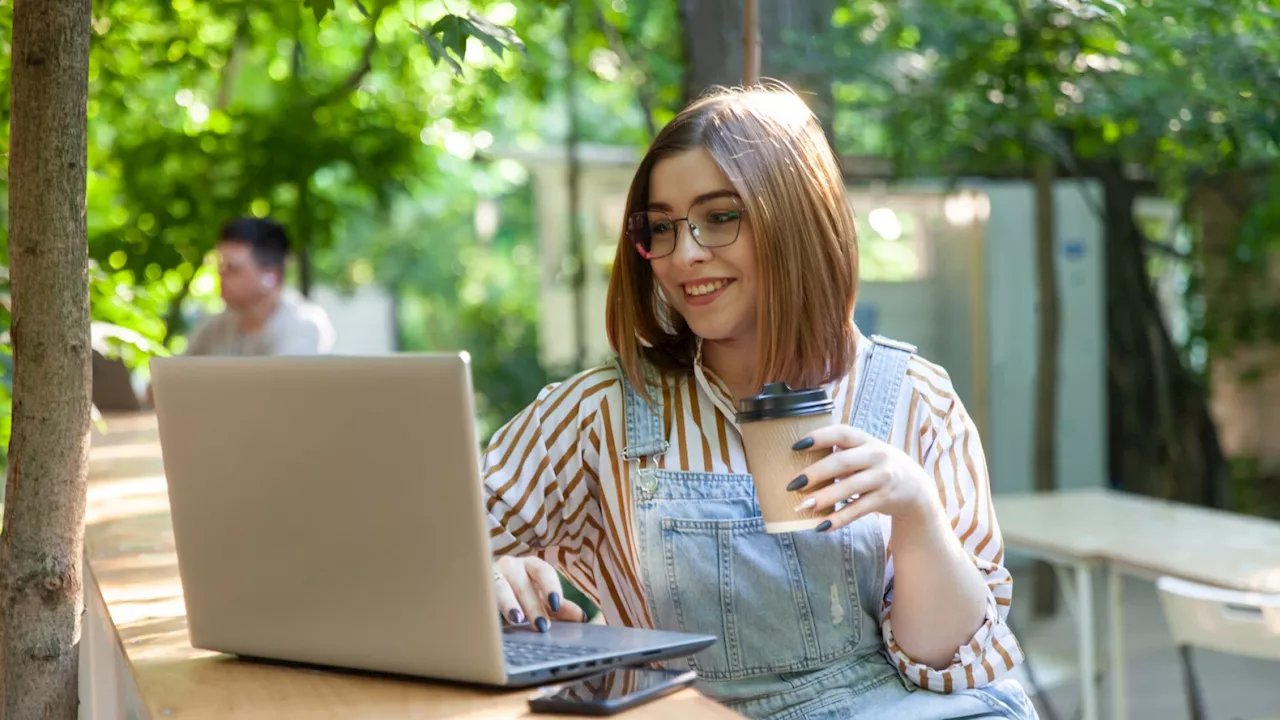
[716, 332]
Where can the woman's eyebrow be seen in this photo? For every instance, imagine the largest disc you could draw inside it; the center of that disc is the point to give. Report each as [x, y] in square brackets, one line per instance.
[714, 194]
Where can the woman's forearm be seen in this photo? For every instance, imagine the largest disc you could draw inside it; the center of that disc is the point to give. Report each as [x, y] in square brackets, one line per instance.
[940, 596]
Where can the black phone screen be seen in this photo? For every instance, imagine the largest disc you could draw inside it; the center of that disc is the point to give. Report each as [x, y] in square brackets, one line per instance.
[614, 685]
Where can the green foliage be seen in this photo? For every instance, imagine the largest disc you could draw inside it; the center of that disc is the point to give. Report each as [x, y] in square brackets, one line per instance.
[962, 82]
[334, 118]
[1175, 90]
[319, 7]
[446, 39]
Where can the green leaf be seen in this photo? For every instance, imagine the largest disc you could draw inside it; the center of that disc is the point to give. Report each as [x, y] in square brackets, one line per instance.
[490, 41]
[452, 34]
[438, 52]
[319, 7]
[494, 35]
[360, 6]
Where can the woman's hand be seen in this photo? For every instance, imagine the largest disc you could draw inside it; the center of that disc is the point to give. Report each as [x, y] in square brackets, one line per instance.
[872, 475]
[528, 591]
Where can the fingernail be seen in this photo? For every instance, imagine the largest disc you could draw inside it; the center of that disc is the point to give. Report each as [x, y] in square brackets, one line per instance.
[798, 483]
[824, 526]
[803, 444]
[808, 504]
[517, 617]
[554, 601]
[541, 623]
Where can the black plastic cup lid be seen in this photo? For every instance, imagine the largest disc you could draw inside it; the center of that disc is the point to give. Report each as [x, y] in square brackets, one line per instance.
[777, 400]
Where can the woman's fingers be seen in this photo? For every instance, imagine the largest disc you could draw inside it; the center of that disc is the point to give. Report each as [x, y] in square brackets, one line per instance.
[522, 588]
[532, 601]
[508, 606]
[865, 504]
[833, 436]
[570, 611]
[837, 465]
[861, 483]
[530, 591]
[548, 582]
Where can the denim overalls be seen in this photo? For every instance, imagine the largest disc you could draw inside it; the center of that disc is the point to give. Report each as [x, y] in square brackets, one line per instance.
[796, 614]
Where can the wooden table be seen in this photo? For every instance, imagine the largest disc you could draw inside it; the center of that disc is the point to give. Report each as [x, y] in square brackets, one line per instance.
[151, 670]
[1140, 536]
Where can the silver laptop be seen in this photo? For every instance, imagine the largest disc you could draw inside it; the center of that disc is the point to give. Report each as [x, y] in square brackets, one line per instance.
[329, 511]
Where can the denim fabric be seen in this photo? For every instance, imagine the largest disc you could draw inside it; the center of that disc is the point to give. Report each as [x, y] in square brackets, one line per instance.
[796, 614]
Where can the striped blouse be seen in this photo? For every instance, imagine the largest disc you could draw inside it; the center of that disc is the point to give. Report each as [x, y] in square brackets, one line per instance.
[556, 486]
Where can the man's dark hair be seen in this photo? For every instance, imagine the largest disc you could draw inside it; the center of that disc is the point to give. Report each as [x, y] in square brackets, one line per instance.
[267, 239]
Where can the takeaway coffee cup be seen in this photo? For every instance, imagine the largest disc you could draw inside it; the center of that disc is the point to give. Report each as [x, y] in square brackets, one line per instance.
[771, 423]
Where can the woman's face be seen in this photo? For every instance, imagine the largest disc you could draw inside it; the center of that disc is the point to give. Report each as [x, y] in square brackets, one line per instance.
[713, 288]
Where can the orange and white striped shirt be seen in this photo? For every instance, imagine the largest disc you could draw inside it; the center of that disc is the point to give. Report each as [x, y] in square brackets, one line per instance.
[557, 486]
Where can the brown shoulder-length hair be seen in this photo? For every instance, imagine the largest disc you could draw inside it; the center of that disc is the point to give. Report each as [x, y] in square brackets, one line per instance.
[770, 145]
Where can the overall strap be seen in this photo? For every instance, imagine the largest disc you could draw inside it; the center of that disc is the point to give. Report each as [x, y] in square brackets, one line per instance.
[877, 394]
[645, 435]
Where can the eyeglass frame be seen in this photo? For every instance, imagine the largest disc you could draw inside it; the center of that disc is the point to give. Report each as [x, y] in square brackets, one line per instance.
[694, 231]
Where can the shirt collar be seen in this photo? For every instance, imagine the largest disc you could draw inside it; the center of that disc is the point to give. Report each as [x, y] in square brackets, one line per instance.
[714, 388]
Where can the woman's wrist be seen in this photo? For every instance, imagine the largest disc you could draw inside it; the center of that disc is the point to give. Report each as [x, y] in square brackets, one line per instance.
[924, 513]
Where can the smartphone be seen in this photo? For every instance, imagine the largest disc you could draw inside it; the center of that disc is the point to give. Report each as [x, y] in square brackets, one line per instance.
[611, 692]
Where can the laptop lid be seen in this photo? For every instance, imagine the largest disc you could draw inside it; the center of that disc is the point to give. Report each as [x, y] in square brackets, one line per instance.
[329, 510]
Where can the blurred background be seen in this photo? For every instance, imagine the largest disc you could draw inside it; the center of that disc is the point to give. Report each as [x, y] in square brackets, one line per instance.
[453, 174]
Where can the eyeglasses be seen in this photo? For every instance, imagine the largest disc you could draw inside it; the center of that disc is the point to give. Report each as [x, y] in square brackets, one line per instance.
[713, 223]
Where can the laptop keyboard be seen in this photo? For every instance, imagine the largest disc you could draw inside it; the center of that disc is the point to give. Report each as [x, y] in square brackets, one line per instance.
[519, 654]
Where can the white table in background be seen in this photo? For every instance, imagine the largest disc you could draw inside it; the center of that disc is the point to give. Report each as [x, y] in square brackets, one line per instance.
[1140, 536]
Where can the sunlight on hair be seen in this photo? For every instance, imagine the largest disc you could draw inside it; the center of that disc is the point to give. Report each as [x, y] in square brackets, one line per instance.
[778, 103]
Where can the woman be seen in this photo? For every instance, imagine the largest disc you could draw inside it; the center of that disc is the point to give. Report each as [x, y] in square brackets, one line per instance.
[738, 266]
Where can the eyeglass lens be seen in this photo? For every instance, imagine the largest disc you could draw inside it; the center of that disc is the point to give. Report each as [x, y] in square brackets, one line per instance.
[713, 223]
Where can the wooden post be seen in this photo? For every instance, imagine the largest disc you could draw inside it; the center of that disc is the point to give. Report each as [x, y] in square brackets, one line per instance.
[577, 244]
[1046, 411]
[750, 44]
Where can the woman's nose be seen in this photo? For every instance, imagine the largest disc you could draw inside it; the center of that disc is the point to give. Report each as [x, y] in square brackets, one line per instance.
[688, 250]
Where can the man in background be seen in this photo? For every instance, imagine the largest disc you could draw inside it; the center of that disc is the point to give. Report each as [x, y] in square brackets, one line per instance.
[261, 318]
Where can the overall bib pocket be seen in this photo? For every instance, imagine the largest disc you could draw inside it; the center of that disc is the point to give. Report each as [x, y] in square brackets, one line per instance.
[779, 603]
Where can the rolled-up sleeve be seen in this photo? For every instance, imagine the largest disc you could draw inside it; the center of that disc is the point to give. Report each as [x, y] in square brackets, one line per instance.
[540, 482]
[956, 462]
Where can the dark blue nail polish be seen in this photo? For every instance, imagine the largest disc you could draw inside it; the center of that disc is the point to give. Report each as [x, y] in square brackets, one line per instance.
[824, 526]
[798, 483]
[803, 444]
[517, 617]
[554, 601]
[541, 624]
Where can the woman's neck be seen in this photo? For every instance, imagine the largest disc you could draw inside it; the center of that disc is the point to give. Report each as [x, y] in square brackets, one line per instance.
[734, 362]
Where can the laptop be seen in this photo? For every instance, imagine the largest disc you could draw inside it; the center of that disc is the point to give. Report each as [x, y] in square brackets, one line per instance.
[329, 510]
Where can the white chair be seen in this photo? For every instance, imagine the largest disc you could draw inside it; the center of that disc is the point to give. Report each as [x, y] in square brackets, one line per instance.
[1225, 621]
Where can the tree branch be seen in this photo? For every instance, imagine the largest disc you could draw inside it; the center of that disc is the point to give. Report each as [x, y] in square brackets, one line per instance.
[235, 59]
[615, 43]
[353, 79]
[1163, 248]
[174, 315]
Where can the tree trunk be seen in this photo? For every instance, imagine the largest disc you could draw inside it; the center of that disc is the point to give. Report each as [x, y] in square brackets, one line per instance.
[43, 535]
[577, 244]
[1046, 409]
[1238, 279]
[751, 43]
[304, 236]
[1163, 440]
[713, 47]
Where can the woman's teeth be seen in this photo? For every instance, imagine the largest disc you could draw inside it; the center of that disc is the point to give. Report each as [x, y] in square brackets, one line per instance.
[704, 288]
